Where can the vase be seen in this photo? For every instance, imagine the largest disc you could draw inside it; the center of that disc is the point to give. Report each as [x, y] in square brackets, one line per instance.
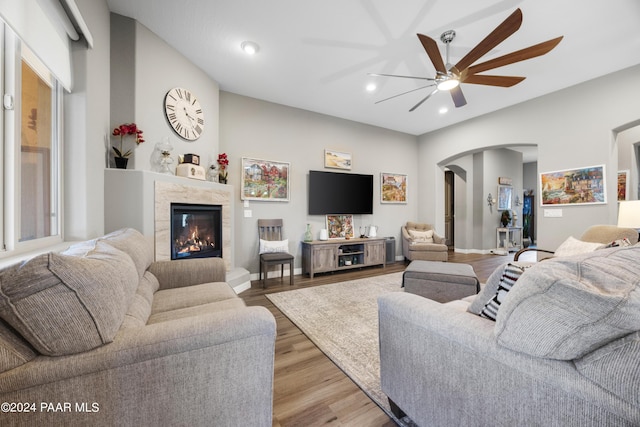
[222, 178]
[121, 162]
[308, 237]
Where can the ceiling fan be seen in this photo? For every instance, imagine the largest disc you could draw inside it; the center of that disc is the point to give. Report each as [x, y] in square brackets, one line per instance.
[449, 77]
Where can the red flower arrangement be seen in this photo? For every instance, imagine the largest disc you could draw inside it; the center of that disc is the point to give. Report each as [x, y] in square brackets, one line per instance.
[223, 161]
[124, 130]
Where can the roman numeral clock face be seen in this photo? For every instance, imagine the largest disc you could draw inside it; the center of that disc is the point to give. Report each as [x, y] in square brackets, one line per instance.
[184, 113]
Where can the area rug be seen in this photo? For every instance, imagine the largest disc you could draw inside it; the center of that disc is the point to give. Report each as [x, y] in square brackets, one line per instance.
[342, 320]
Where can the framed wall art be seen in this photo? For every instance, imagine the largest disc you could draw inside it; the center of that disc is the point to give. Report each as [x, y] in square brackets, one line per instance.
[393, 188]
[623, 185]
[573, 186]
[337, 160]
[265, 180]
[340, 226]
[505, 193]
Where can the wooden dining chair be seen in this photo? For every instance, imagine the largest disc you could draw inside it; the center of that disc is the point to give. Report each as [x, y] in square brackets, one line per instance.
[274, 250]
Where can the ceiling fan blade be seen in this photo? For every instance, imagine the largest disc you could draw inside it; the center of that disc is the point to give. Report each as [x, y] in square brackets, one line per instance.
[497, 36]
[403, 93]
[458, 97]
[502, 81]
[517, 56]
[396, 75]
[424, 99]
[431, 47]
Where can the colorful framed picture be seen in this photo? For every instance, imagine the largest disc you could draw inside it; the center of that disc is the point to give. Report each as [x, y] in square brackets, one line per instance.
[623, 185]
[505, 193]
[393, 188]
[337, 160]
[573, 186]
[265, 180]
[340, 226]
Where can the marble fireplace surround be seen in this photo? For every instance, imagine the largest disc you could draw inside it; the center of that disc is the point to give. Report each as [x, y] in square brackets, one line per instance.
[167, 193]
[141, 199]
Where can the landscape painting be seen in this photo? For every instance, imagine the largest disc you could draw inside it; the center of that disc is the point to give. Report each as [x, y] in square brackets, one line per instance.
[265, 180]
[393, 188]
[573, 186]
[337, 160]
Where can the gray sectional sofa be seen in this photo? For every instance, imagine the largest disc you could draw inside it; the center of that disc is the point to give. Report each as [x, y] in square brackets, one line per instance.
[564, 349]
[102, 335]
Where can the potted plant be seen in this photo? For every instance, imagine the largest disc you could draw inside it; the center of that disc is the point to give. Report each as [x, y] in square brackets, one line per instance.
[505, 218]
[121, 156]
[223, 162]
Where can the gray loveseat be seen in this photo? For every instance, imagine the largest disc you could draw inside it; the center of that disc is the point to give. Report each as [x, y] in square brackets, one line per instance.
[564, 349]
[102, 335]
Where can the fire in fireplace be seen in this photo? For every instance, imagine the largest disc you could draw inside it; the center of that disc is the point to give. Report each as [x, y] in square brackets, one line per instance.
[196, 231]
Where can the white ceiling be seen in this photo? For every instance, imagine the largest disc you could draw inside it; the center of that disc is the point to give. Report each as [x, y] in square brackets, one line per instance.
[316, 55]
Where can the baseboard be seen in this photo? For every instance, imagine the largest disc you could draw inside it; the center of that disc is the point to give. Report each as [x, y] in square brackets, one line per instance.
[474, 251]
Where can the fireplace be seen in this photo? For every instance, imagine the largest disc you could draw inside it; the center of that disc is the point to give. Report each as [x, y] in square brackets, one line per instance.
[196, 231]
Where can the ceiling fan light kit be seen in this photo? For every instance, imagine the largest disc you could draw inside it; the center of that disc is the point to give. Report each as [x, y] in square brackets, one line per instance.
[449, 77]
[250, 47]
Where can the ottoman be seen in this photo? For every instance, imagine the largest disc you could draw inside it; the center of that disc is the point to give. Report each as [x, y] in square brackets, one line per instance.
[440, 281]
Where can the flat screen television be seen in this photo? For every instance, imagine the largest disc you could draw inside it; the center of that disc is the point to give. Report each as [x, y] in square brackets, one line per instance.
[340, 193]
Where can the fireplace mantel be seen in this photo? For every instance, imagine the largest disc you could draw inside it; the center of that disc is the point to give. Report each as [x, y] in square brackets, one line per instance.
[142, 199]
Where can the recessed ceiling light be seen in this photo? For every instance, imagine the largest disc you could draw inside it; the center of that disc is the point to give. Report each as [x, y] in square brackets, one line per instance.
[371, 87]
[249, 47]
[443, 110]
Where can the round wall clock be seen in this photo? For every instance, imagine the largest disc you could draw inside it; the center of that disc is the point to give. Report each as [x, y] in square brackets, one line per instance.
[184, 113]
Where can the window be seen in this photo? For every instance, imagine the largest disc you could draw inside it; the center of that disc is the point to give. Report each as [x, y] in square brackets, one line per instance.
[31, 129]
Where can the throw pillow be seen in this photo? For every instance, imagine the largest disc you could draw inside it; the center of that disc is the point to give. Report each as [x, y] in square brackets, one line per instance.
[567, 307]
[273, 246]
[510, 275]
[490, 288]
[573, 246]
[67, 304]
[421, 236]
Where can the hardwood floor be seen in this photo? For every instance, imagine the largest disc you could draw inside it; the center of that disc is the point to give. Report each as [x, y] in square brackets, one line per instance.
[309, 390]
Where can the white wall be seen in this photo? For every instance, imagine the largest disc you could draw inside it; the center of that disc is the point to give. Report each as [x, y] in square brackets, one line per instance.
[156, 68]
[258, 129]
[572, 128]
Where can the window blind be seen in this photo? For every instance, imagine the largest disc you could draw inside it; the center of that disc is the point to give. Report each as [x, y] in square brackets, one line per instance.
[48, 28]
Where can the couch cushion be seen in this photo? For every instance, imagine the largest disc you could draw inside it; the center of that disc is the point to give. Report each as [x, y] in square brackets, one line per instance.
[566, 307]
[573, 246]
[429, 247]
[140, 308]
[14, 350]
[65, 304]
[418, 226]
[177, 298]
[132, 242]
[198, 310]
[615, 367]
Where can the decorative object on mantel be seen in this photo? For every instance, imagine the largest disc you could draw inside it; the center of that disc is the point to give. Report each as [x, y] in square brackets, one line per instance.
[223, 162]
[165, 148]
[121, 156]
[190, 167]
[212, 173]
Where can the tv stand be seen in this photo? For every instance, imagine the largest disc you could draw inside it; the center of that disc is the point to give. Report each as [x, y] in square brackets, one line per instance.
[321, 256]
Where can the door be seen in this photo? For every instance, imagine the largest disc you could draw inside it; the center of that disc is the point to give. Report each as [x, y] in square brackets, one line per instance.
[449, 211]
